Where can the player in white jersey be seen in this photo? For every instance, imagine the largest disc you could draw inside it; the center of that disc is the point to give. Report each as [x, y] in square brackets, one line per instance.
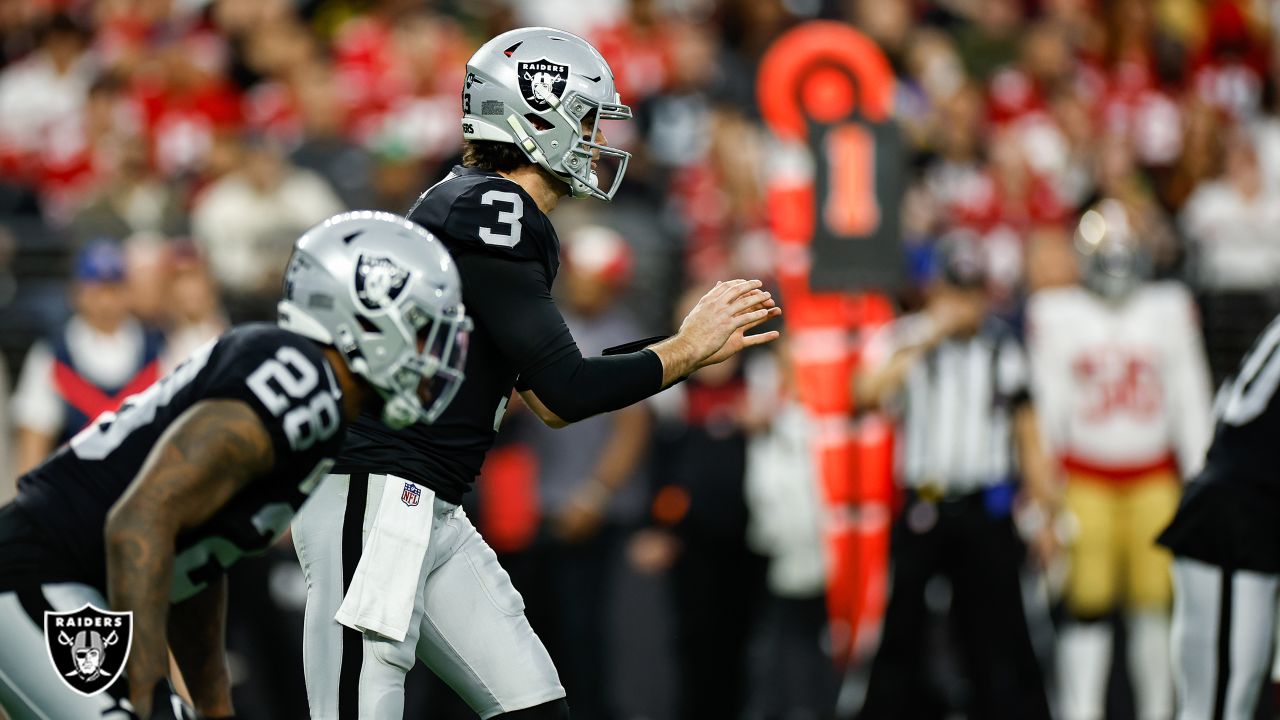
[1122, 386]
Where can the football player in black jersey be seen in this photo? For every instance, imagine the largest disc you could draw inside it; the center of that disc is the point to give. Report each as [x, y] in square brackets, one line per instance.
[145, 509]
[1225, 540]
[532, 107]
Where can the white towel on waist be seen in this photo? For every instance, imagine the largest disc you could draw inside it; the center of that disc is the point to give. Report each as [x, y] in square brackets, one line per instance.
[385, 583]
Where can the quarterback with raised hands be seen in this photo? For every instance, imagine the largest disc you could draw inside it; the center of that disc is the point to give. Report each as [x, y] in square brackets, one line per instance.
[408, 577]
[143, 511]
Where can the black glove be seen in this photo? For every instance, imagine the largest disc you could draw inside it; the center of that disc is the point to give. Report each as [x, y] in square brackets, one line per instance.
[166, 705]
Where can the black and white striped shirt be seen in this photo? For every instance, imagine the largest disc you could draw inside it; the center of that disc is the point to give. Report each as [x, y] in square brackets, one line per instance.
[955, 408]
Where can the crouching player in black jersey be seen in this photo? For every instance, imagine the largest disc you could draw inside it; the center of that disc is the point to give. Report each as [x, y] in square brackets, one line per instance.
[144, 510]
[1225, 540]
[388, 590]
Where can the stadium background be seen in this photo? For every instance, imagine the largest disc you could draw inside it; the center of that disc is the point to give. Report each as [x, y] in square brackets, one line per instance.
[204, 136]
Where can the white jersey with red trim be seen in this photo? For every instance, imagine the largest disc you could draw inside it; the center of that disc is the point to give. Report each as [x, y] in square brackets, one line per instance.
[1120, 388]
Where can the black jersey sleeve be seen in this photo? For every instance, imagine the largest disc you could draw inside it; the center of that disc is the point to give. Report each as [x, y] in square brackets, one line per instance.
[288, 383]
[575, 388]
[512, 301]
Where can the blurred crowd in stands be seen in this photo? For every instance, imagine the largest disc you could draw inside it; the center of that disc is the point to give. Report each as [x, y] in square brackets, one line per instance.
[158, 157]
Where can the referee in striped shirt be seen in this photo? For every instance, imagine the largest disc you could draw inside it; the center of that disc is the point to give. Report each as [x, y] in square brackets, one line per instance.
[956, 378]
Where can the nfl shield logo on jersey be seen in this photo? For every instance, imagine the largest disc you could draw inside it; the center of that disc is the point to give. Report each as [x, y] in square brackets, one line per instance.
[541, 82]
[88, 647]
[411, 495]
[379, 281]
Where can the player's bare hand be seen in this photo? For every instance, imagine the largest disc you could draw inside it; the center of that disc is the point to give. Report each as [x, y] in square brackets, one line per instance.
[652, 551]
[740, 340]
[952, 316]
[728, 309]
[582, 516]
[1045, 548]
[1040, 525]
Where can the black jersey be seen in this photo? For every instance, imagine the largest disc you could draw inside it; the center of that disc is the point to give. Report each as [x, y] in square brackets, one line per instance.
[1228, 515]
[486, 221]
[289, 384]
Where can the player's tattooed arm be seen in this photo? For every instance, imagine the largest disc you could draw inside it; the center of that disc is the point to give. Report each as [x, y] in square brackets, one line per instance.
[197, 637]
[203, 459]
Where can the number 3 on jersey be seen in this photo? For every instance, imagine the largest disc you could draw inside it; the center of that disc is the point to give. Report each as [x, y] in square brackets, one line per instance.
[507, 232]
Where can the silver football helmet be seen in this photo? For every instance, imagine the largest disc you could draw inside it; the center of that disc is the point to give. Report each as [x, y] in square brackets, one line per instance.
[1112, 261]
[386, 294]
[541, 89]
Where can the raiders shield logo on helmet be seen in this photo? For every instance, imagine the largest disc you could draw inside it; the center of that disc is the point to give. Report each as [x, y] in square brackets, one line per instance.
[541, 82]
[379, 281]
[88, 647]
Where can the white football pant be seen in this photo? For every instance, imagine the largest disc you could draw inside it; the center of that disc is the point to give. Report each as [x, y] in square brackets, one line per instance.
[468, 624]
[1223, 629]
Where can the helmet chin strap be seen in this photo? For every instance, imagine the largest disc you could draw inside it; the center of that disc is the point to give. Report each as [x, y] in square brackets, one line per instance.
[579, 189]
[401, 411]
[529, 145]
